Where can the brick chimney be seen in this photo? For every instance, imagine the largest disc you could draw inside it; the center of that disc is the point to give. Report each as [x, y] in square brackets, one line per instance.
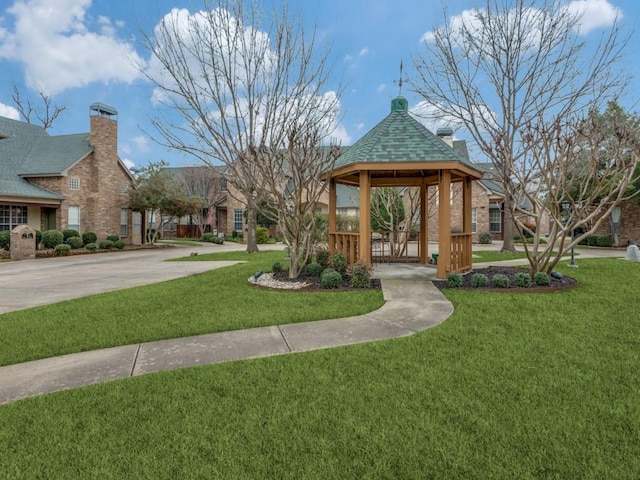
[103, 134]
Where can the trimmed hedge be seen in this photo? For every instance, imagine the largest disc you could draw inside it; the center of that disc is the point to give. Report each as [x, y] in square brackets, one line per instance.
[62, 249]
[5, 240]
[262, 235]
[67, 234]
[105, 244]
[89, 237]
[74, 242]
[51, 238]
[330, 279]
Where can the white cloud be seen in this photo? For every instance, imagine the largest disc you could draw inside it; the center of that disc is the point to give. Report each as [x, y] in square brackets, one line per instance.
[381, 88]
[591, 14]
[364, 51]
[348, 58]
[58, 50]
[9, 112]
[359, 126]
[141, 143]
[128, 163]
[594, 14]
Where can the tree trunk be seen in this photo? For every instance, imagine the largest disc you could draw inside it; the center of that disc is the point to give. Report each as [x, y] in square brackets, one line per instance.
[507, 228]
[252, 223]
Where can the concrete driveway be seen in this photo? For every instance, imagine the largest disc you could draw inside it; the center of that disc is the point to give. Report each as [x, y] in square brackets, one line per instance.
[30, 283]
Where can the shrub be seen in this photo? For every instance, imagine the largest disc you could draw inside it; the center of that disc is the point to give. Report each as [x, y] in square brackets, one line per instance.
[38, 238]
[66, 234]
[105, 244]
[74, 242]
[322, 257]
[277, 267]
[211, 238]
[262, 235]
[541, 278]
[604, 241]
[592, 241]
[485, 238]
[522, 280]
[119, 244]
[500, 280]
[360, 275]
[339, 263]
[113, 238]
[62, 249]
[313, 269]
[330, 278]
[89, 237]
[454, 280]
[90, 246]
[479, 280]
[5, 239]
[51, 238]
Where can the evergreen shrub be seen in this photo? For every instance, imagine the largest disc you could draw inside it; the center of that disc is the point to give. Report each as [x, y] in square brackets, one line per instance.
[454, 280]
[313, 269]
[74, 242]
[479, 280]
[89, 237]
[51, 238]
[90, 246]
[522, 280]
[105, 244]
[360, 275]
[500, 280]
[62, 249]
[66, 234]
[542, 279]
[330, 279]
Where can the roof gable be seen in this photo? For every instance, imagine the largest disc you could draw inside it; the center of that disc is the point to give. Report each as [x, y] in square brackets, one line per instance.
[55, 155]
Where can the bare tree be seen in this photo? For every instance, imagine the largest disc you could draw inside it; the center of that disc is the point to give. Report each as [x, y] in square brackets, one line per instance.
[576, 172]
[387, 216]
[510, 63]
[204, 185]
[234, 82]
[28, 109]
[291, 174]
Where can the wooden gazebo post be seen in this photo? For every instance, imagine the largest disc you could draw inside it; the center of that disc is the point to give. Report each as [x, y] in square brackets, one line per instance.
[444, 223]
[364, 247]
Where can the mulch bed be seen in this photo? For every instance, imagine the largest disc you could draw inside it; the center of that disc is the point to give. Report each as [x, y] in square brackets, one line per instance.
[47, 253]
[314, 284]
[556, 284]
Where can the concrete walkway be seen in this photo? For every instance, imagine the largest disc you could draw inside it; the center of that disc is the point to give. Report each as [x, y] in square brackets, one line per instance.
[413, 304]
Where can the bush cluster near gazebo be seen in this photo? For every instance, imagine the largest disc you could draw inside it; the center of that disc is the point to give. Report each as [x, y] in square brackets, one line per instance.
[506, 279]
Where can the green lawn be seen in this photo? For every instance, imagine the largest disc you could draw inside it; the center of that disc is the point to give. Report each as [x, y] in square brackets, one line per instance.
[536, 385]
[215, 301]
[485, 256]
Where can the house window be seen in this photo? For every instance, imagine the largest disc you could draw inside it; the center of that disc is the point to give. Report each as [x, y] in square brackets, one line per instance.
[474, 220]
[11, 216]
[237, 220]
[74, 219]
[74, 183]
[342, 211]
[124, 217]
[124, 189]
[495, 220]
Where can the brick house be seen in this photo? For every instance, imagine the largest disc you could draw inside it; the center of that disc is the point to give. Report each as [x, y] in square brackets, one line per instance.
[62, 182]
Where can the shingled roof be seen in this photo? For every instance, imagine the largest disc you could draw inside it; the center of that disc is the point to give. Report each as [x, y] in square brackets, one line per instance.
[400, 138]
[17, 142]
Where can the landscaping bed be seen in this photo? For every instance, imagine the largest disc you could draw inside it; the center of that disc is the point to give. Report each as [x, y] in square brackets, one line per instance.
[556, 281]
[308, 283]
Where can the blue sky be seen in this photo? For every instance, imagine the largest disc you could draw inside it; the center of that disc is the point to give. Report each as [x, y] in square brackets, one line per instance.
[79, 52]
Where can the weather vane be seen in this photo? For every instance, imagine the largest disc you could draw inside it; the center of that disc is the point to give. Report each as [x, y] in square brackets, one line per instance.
[400, 81]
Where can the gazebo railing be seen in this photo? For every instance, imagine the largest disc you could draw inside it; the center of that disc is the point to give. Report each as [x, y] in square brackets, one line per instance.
[461, 258]
[345, 242]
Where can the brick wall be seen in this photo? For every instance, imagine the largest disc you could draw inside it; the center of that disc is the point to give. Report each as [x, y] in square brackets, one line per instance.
[629, 225]
[101, 176]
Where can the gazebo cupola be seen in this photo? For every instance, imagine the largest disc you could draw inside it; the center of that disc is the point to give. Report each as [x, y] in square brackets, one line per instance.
[401, 152]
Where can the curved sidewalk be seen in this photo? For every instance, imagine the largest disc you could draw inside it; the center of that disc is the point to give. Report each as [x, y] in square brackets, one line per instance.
[413, 304]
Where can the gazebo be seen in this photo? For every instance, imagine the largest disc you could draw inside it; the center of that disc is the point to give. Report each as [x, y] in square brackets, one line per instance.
[400, 152]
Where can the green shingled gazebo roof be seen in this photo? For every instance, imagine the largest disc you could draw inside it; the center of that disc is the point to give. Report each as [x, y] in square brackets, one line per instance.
[399, 138]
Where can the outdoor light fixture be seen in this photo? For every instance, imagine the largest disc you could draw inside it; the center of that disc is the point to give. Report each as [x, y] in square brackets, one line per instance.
[567, 207]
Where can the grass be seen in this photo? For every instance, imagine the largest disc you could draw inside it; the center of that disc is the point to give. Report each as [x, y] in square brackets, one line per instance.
[215, 301]
[485, 256]
[511, 386]
[187, 243]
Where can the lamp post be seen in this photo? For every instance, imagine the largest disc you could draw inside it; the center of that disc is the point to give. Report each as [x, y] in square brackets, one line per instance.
[567, 207]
